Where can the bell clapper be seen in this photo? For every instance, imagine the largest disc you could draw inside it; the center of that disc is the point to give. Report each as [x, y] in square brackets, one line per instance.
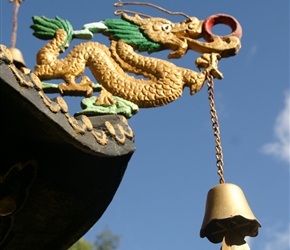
[229, 244]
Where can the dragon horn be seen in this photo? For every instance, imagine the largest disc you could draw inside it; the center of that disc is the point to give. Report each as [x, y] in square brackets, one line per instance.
[135, 19]
[95, 27]
[89, 29]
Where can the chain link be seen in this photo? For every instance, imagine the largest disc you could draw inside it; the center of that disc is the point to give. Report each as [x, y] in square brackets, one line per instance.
[216, 130]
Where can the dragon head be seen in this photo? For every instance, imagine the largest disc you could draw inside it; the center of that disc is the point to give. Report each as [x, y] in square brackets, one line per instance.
[169, 35]
[182, 36]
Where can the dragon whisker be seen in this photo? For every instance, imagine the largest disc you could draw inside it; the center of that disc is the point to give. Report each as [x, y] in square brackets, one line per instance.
[120, 4]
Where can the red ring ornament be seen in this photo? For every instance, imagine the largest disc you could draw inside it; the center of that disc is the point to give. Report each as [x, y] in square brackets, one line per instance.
[220, 19]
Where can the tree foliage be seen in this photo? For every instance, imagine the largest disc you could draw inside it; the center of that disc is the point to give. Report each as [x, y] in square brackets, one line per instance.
[82, 244]
[105, 240]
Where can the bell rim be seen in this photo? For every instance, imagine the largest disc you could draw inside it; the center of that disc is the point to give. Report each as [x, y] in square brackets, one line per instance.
[215, 232]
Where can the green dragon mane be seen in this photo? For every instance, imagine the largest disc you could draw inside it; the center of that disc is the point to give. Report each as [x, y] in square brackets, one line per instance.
[45, 28]
[131, 34]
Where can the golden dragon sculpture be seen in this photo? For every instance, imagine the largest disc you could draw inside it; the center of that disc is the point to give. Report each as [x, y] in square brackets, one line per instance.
[164, 81]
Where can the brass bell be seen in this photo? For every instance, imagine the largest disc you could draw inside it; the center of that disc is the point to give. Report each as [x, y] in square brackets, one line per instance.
[17, 57]
[227, 212]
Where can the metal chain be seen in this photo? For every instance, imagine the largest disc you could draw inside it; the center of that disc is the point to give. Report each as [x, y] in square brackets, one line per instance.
[216, 130]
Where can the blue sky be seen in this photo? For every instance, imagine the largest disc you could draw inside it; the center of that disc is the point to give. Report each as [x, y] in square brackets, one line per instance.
[160, 202]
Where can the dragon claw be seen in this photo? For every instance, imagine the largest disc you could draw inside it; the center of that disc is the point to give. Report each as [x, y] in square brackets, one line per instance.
[209, 61]
[74, 89]
[105, 98]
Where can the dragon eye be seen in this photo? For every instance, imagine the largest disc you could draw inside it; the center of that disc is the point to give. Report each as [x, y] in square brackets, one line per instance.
[166, 27]
[191, 26]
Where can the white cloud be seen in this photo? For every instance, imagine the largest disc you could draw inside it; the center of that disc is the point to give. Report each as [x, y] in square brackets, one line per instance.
[278, 240]
[252, 51]
[281, 147]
